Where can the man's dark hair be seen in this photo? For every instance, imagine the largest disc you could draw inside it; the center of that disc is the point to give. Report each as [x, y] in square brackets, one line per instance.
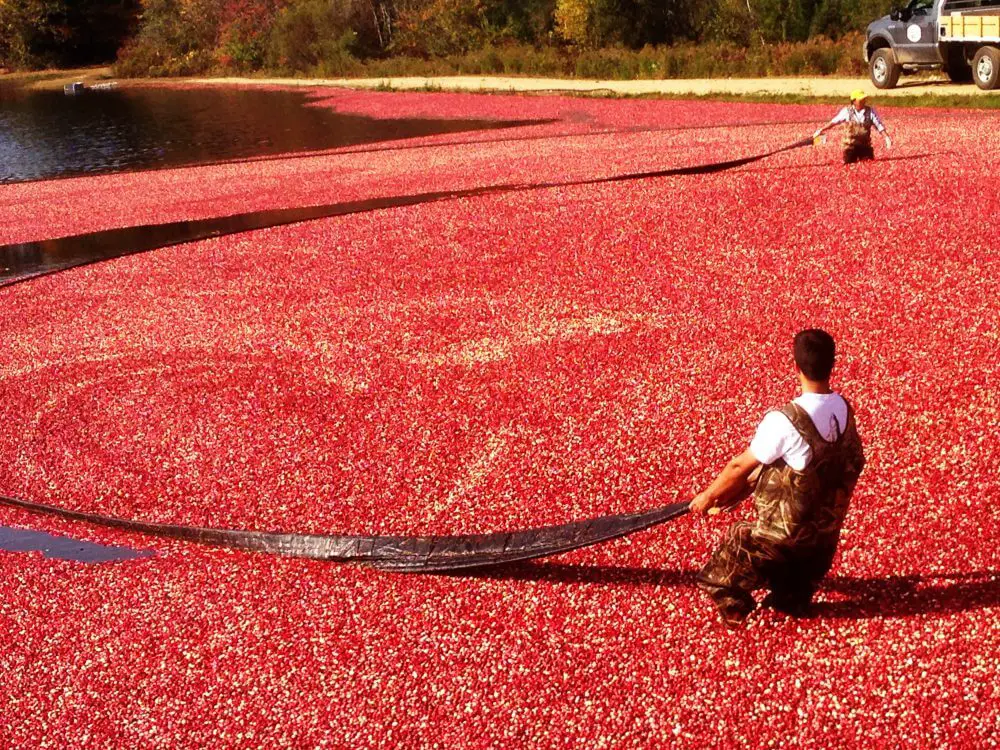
[814, 353]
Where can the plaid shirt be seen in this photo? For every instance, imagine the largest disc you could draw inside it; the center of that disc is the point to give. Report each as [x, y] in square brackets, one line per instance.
[865, 117]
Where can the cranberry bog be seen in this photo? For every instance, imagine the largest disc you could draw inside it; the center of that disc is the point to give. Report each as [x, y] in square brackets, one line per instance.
[529, 344]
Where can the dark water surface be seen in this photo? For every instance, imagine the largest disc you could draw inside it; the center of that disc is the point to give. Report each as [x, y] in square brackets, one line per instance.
[65, 548]
[47, 134]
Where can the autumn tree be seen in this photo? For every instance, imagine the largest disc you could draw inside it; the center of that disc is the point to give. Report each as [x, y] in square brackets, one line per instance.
[38, 33]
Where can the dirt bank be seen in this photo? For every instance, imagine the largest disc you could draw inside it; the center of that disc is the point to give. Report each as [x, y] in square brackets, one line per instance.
[806, 87]
[923, 90]
[56, 79]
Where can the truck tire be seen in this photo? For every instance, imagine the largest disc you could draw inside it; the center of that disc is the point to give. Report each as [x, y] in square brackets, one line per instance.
[986, 68]
[884, 69]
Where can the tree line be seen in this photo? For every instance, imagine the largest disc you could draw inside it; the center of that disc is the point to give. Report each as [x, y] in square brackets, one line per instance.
[47, 33]
[333, 36]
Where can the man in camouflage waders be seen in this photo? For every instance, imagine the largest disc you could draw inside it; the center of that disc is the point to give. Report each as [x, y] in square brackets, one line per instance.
[801, 467]
[859, 118]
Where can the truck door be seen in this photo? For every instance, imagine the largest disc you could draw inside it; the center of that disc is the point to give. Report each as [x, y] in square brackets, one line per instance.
[916, 34]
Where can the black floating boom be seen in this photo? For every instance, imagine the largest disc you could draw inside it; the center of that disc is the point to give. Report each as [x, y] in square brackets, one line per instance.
[411, 554]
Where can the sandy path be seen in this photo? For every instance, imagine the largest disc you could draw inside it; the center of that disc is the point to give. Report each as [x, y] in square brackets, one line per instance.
[700, 86]
[815, 86]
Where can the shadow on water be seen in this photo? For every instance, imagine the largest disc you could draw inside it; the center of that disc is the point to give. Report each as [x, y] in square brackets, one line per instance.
[66, 548]
[46, 135]
[862, 597]
[26, 260]
[601, 575]
[836, 162]
[915, 157]
[903, 596]
[21, 261]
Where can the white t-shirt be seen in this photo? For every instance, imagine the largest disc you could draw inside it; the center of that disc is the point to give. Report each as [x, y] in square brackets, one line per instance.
[777, 438]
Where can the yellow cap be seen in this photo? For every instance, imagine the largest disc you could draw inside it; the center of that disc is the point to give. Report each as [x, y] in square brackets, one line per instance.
[858, 95]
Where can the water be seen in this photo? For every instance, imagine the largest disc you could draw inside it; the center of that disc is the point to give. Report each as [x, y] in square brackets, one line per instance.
[65, 548]
[46, 134]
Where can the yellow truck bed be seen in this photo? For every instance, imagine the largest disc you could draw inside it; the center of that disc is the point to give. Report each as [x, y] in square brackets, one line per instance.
[958, 27]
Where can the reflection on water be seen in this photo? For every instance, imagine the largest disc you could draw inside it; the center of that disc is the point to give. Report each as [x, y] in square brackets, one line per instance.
[46, 134]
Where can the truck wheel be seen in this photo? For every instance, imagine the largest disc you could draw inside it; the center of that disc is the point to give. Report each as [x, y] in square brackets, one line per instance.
[986, 68]
[884, 69]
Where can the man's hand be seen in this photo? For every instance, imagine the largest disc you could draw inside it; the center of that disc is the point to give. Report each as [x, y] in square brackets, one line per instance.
[702, 503]
[888, 142]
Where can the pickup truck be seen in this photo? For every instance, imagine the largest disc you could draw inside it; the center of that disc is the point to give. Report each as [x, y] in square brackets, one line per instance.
[962, 37]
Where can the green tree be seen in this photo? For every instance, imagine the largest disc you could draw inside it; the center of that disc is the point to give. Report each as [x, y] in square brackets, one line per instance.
[443, 27]
[24, 29]
[728, 21]
[632, 23]
[313, 35]
[528, 21]
[834, 18]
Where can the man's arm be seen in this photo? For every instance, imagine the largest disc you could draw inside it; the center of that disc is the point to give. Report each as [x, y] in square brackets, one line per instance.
[880, 127]
[733, 483]
[840, 117]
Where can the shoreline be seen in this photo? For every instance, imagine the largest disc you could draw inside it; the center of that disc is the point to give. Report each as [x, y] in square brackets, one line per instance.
[55, 79]
[924, 91]
[806, 87]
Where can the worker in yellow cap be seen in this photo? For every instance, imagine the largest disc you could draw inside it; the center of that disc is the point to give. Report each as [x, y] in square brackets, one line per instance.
[860, 118]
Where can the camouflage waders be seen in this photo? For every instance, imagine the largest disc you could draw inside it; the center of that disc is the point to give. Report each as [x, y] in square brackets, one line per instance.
[799, 515]
[858, 140]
